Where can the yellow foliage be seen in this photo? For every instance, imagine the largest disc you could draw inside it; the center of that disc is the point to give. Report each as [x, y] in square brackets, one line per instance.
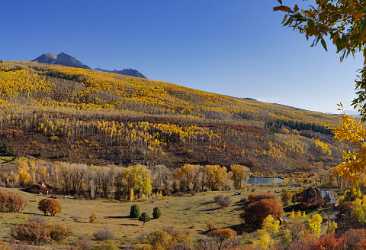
[216, 175]
[271, 225]
[323, 147]
[292, 215]
[359, 209]
[332, 227]
[264, 241]
[187, 174]
[102, 91]
[137, 179]
[21, 82]
[240, 173]
[24, 172]
[315, 224]
[352, 168]
[351, 130]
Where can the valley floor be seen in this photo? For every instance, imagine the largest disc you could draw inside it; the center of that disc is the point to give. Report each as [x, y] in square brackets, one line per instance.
[185, 213]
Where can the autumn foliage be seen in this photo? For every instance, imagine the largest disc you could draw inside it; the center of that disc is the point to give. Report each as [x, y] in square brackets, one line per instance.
[49, 206]
[11, 202]
[37, 231]
[257, 208]
[94, 117]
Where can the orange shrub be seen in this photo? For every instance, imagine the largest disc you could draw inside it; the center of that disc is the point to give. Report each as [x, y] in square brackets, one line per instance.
[49, 206]
[224, 234]
[11, 202]
[259, 207]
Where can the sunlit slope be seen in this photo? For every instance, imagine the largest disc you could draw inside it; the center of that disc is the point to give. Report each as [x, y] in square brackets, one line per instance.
[80, 115]
[58, 86]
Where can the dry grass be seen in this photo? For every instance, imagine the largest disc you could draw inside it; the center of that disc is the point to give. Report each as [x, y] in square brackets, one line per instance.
[186, 213]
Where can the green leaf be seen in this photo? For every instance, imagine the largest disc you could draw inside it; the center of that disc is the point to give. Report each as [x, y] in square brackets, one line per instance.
[363, 26]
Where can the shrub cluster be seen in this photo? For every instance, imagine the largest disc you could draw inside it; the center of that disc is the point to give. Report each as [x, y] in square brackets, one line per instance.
[103, 235]
[37, 231]
[168, 238]
[144, 217]
[59, 232]
[11, 202]
[224, 238]
[222, 200]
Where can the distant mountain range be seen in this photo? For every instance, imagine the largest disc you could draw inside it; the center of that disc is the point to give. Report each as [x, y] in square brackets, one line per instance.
[70, 61]
[128, 72]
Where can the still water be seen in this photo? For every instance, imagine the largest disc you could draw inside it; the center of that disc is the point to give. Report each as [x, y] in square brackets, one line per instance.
[257, 180]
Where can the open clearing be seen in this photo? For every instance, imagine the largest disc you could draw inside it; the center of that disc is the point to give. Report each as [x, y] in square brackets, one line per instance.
[189, 213]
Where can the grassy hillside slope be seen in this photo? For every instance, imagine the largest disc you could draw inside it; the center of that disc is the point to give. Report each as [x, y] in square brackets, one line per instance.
[81, 115]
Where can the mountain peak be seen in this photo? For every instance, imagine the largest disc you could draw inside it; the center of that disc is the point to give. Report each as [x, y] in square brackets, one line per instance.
[61, 59]
[48, 58]
[68, 60]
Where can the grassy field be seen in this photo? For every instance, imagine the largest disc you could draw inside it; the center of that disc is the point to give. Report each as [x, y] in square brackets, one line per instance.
[186, 213]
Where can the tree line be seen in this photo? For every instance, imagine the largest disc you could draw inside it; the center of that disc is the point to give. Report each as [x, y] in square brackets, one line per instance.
[123, 183]
[278, 124]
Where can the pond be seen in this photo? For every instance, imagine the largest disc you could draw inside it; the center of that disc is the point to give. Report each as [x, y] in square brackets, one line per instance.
[258, 180]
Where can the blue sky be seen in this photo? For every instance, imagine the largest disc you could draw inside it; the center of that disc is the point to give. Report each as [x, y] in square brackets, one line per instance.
[235, 47]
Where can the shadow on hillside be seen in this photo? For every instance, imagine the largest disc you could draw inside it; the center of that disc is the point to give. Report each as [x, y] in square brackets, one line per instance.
[117, 217]
[241, 228]
[129, 225]
[210, 209]
[111, 201]
[35, 214]
[206, 203]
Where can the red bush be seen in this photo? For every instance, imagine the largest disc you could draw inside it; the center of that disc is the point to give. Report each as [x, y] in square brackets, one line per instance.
[328, 242]
[354, 239]
[258, 208]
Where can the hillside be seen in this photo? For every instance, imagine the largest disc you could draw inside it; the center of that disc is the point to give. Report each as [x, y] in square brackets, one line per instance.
[81, 115]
